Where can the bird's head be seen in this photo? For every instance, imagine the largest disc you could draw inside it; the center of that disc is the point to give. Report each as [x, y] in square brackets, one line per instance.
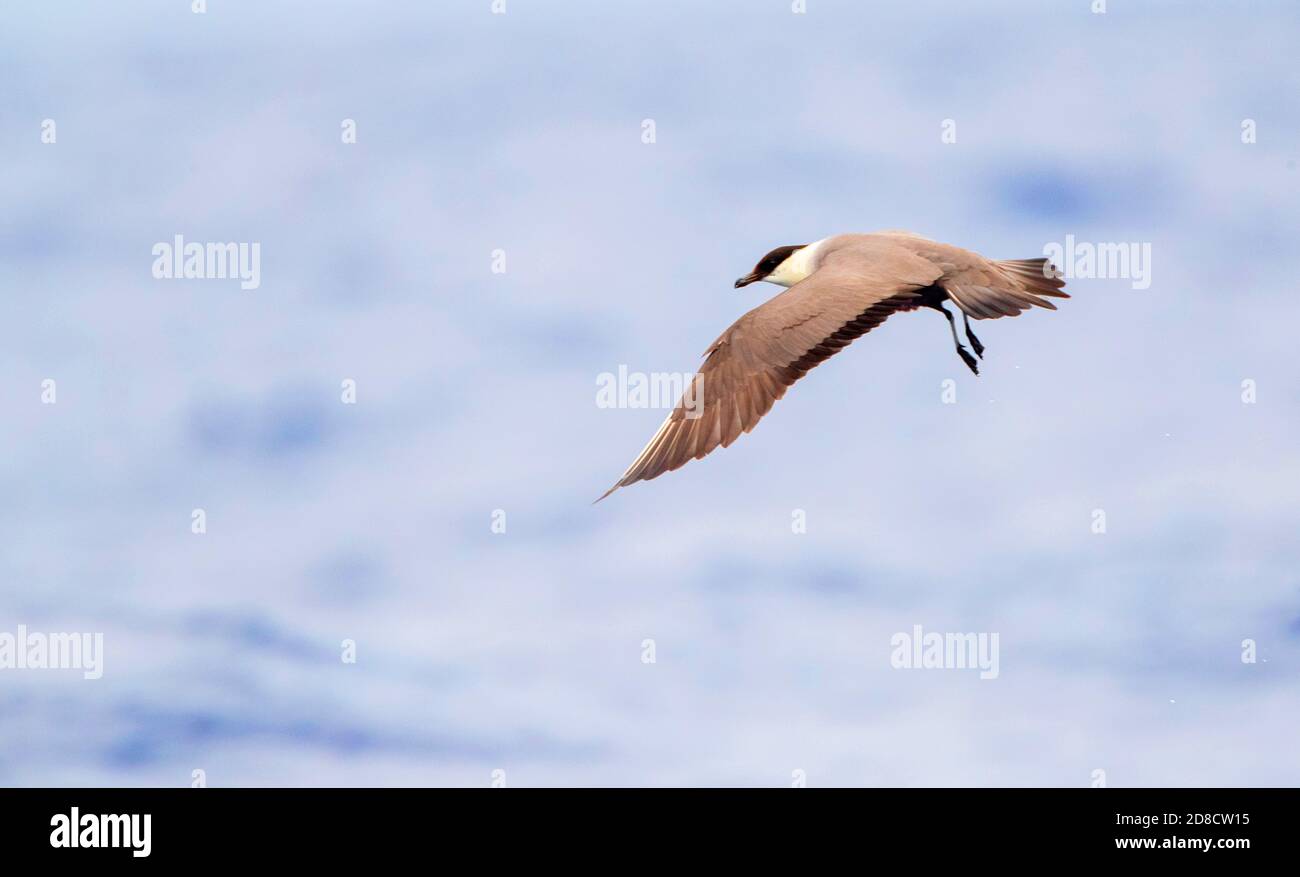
[784, 266]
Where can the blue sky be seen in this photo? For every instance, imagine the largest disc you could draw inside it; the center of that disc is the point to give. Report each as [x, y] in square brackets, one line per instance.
[522, 651]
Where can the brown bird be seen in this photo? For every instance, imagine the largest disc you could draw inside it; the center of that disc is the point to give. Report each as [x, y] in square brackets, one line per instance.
[840, 287]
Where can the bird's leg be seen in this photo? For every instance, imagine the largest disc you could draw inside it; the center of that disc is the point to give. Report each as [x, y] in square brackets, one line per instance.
[970, 336]
[961, 351]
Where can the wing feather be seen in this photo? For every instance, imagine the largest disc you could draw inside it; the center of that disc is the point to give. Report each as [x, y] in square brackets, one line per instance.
[751, 365]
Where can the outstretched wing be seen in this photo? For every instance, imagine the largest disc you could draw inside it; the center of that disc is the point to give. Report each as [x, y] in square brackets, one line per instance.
[750, 366]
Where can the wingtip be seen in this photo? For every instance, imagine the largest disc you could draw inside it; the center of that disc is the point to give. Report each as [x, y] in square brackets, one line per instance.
[607, 493]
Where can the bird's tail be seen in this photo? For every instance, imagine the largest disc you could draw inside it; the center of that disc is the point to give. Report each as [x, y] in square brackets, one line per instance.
[1038, 276]
[1021, 286]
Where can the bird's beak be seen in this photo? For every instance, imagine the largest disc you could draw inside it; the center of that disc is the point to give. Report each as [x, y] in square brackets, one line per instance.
[747, 279]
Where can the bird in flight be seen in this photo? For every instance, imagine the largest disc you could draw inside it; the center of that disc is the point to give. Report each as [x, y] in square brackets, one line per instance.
[838, 289]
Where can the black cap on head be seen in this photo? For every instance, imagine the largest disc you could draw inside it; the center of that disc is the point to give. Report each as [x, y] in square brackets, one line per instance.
[768, 264]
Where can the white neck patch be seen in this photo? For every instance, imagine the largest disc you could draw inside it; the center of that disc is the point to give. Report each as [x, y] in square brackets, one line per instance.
[796, 266]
